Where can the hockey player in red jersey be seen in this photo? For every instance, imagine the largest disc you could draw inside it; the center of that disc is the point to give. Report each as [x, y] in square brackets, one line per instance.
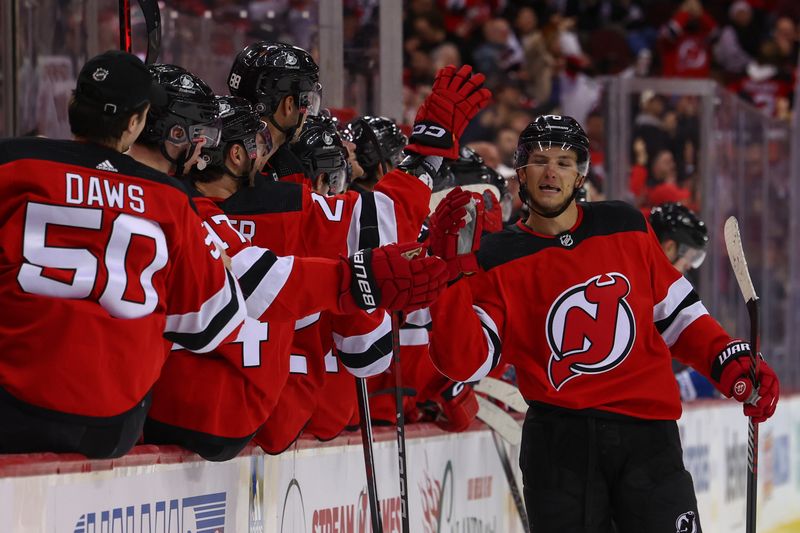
[377, 144]
[195, 399]
[588, 309]
[104, 265]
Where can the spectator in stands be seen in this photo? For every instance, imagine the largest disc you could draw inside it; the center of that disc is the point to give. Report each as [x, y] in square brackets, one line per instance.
[739, 42]
[685, 41]
[500, 53]
[662, 183]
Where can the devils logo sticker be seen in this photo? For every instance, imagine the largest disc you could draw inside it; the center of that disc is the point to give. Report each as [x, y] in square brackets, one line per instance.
[590, 328]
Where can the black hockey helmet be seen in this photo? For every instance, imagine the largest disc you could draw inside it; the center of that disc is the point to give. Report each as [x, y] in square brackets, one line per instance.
[320, 149]
[240, 124]
[266, 72]
[553, 131]
[378, 141]
[188, 112]
[677, 222]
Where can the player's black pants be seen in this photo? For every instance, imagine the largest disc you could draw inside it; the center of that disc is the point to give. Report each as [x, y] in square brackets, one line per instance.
[209, 447]
[591, 473]
[26, 428]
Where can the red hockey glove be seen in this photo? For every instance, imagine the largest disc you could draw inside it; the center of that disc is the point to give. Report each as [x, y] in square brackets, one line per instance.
[731, 373]
[455, 236]
[395, 277]
[458, 407]
[456, 97]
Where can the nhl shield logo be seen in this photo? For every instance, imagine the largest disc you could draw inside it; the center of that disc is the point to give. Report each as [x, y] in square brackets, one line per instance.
[100, 74]
[566, 240]
[590, 328]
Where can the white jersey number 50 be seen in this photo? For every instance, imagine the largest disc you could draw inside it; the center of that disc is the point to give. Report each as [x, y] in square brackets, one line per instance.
[84, 264]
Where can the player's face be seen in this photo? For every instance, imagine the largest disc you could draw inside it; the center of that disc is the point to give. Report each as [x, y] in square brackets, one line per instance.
[551, 175]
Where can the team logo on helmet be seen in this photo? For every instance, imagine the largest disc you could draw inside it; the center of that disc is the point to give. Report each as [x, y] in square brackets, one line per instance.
[100, 74]
[686, 523]
[289, 59]
[590, 328]
[327, 138]
[225, 108]
[186, 82]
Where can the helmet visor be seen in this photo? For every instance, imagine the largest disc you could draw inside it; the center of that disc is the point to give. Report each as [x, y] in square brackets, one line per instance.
[691, 256]
[309, 101]
[211, 132]
[525, 154]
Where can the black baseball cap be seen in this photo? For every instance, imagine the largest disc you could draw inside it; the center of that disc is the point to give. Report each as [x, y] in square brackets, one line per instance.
[117, 82]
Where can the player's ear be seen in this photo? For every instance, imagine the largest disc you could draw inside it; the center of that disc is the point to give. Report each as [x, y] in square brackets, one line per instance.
[137, 119]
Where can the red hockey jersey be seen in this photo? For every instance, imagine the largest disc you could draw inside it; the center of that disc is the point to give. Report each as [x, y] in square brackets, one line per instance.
[103, 264]
[590, 318]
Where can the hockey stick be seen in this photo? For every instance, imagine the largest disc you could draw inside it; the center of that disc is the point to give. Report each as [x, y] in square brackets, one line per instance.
[503, 392]
[733, 242]
[519, 503]
[369, 457]
[401, 423]
[499, 421]
[125, 25]
[152, 22]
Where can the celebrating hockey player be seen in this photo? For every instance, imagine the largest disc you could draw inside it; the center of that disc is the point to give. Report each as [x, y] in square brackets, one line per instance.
[378, 144]
[581, 299]
[103, 259]
[195, 398]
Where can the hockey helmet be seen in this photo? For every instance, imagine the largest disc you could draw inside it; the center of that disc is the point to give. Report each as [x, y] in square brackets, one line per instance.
[677, 222]
[553, 131]
[240, 124]
[378, 141]
[320, 149]
[188, 113]
[266, 72]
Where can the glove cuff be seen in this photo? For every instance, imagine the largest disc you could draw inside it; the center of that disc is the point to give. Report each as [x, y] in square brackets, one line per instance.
[734, 350]
[363, 287]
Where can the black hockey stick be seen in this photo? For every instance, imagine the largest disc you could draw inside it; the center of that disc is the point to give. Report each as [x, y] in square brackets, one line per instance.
[369, 457]
[401, 422]
[519, 503]
[152, 22]
[125, 25]
[733, 242]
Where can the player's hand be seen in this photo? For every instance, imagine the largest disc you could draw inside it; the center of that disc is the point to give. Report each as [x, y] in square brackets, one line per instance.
[397, 277]
[456, 97]
[731, 371]
[455, 406]
[455, 232]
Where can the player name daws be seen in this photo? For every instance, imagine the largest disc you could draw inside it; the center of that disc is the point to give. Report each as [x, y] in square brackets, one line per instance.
[100, 192]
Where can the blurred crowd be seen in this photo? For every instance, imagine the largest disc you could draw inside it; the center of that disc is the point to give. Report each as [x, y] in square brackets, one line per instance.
[548, 56]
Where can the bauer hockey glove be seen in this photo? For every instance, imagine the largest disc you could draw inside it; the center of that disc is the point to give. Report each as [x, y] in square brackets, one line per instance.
[456, 97]
[731, 375]
[455, 232]
[395, 277]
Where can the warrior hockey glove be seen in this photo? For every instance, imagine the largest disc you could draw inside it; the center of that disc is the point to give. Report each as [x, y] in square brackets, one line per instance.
[396, 277]
[456, 97]
[455, 231]
[731, 374]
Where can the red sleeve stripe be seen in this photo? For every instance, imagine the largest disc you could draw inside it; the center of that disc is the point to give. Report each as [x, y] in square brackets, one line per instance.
[492, 341]
[262, 275]
[218, 317]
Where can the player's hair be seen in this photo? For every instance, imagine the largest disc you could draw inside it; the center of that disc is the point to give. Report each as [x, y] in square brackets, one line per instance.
[85, 121]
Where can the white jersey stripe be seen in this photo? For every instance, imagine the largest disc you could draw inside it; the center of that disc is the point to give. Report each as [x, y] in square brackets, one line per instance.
[682, 321]
[492, 340]
[675, 295]
[271, 283]
[361, 343]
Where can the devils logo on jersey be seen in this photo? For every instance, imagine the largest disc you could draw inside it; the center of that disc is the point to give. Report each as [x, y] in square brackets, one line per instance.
[590, 328]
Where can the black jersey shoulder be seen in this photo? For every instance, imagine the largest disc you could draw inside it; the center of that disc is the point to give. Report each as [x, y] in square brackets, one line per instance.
[285, 163]
[86, 155]
[266, 196]
[599, 219]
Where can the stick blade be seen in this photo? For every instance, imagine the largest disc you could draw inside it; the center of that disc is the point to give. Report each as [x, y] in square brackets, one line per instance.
[502, 392]
[499, 421]
[733, 243]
